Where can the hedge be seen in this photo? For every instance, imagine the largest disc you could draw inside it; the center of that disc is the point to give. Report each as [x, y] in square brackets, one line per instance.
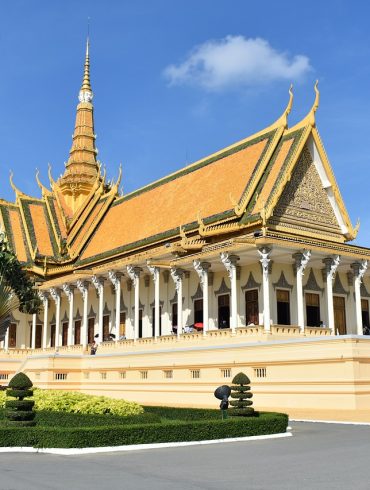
[114, 435]
[176, 413]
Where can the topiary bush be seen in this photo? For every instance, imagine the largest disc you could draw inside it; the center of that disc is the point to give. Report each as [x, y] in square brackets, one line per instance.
[241, 394]
[20, 412]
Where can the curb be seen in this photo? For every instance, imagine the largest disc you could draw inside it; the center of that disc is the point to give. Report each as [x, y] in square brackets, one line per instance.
[136, 447]
[343, 422]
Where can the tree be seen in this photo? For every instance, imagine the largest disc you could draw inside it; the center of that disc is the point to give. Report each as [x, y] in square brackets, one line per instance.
[241, 394]
[16, 288]
[20, 412]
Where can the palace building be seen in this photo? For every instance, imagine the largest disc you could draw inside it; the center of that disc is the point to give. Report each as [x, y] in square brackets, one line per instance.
[183, 289]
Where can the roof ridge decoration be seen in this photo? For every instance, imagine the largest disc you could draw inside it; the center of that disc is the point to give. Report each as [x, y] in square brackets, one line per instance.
[310, 118]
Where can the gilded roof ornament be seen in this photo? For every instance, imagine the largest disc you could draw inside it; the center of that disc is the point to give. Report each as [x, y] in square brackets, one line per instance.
[86, 93]
[17, 192]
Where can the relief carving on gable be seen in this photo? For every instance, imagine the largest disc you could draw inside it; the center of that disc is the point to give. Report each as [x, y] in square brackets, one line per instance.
[304, 198]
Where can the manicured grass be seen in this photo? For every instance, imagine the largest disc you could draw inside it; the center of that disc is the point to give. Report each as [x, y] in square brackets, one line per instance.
[156, 424]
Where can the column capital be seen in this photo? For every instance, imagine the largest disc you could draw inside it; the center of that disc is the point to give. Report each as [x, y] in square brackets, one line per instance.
[359, 269]
[331, 266]
[201, 269]
[98, 283]
[55, 293]
[229, 261]
[154, 271]
[44, 296]
[177, 275]
[83, 287]
[115, 278]
[265, 260]
[301, 260]
[133, 272]
[68, 290]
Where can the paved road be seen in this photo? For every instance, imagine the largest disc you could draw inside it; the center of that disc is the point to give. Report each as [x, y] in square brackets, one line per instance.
[318, 456]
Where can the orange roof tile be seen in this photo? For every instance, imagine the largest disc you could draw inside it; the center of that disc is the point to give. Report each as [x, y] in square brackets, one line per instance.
[17, 234]
[176, 202]
[41, 229]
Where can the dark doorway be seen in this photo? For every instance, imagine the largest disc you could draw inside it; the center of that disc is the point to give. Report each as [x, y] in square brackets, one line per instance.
[12, 335]
[52, 335]
[198, 311]
[122, 325]
[365, 312]
[312, 310]
[90, 330]
[77, 332]
[224, 311]
[38, 336]
[65, 333]
[283, 307]
[140, 324]
[340, 315]
[106, 335]
[251, 307]
[160, 321]
[174, 315]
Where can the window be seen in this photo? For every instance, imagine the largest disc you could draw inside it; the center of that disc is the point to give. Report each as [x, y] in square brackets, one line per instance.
[140, 324]
[65, 333]
[198, 311]
[195, 373]
[283, 307]
[312, 309]
[122, 375]
[106, 336]
[4, 376]
[168, 374]
[226, 373]
[144, 374]
[260, 372]
[103, 375]
[60, 376]
[251, 307]
[37, 337]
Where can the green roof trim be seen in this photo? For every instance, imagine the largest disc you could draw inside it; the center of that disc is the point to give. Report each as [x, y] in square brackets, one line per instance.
[9, 232]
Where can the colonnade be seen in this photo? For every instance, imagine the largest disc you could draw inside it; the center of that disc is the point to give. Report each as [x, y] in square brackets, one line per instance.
[202, 268]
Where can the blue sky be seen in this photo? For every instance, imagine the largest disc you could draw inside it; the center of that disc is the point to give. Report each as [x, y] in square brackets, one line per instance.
[176, 80]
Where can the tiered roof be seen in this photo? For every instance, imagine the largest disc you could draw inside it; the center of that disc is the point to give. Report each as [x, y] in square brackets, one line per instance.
[81, 220]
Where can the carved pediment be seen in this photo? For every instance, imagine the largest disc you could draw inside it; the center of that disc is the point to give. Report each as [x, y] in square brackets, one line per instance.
[198, 293]
[223, 289]
[282, 282]
[338, 286]
[251, 283]
[311, 284]
[304, 203]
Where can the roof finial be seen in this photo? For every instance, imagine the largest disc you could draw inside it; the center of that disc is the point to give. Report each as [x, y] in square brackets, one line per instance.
[86, 93]
[290, 103]
[311, 114]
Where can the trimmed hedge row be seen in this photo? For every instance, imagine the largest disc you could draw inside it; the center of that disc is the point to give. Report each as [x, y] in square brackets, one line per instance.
[175, 413]
[115, 435]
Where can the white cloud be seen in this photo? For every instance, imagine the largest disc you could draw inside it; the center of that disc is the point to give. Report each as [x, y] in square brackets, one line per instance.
[236, 61]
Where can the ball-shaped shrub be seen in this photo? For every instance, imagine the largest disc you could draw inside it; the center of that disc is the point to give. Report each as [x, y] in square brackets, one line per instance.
[241, 394]
[20, 412]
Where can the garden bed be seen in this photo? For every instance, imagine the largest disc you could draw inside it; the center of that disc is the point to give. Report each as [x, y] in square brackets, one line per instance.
[155, 425]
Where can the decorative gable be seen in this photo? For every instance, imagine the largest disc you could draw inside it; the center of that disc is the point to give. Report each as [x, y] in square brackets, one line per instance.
[304, 203]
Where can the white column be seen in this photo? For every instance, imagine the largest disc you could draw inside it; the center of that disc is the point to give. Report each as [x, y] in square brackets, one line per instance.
[33, 336]
[155, 272]
[202, 271]
[69, 292]
[229, 262]
[83, 287]
[134, 274]
[98, 283]
[301, 261]
[331, 266]
[55, 294]
[359, 269]
[177, 276]
[44, 298]
[6, 340]
[115, 279]
[264, 254]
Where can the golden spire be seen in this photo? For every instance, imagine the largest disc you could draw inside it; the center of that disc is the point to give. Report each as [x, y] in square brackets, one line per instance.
[86, 93]
[82, 168]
